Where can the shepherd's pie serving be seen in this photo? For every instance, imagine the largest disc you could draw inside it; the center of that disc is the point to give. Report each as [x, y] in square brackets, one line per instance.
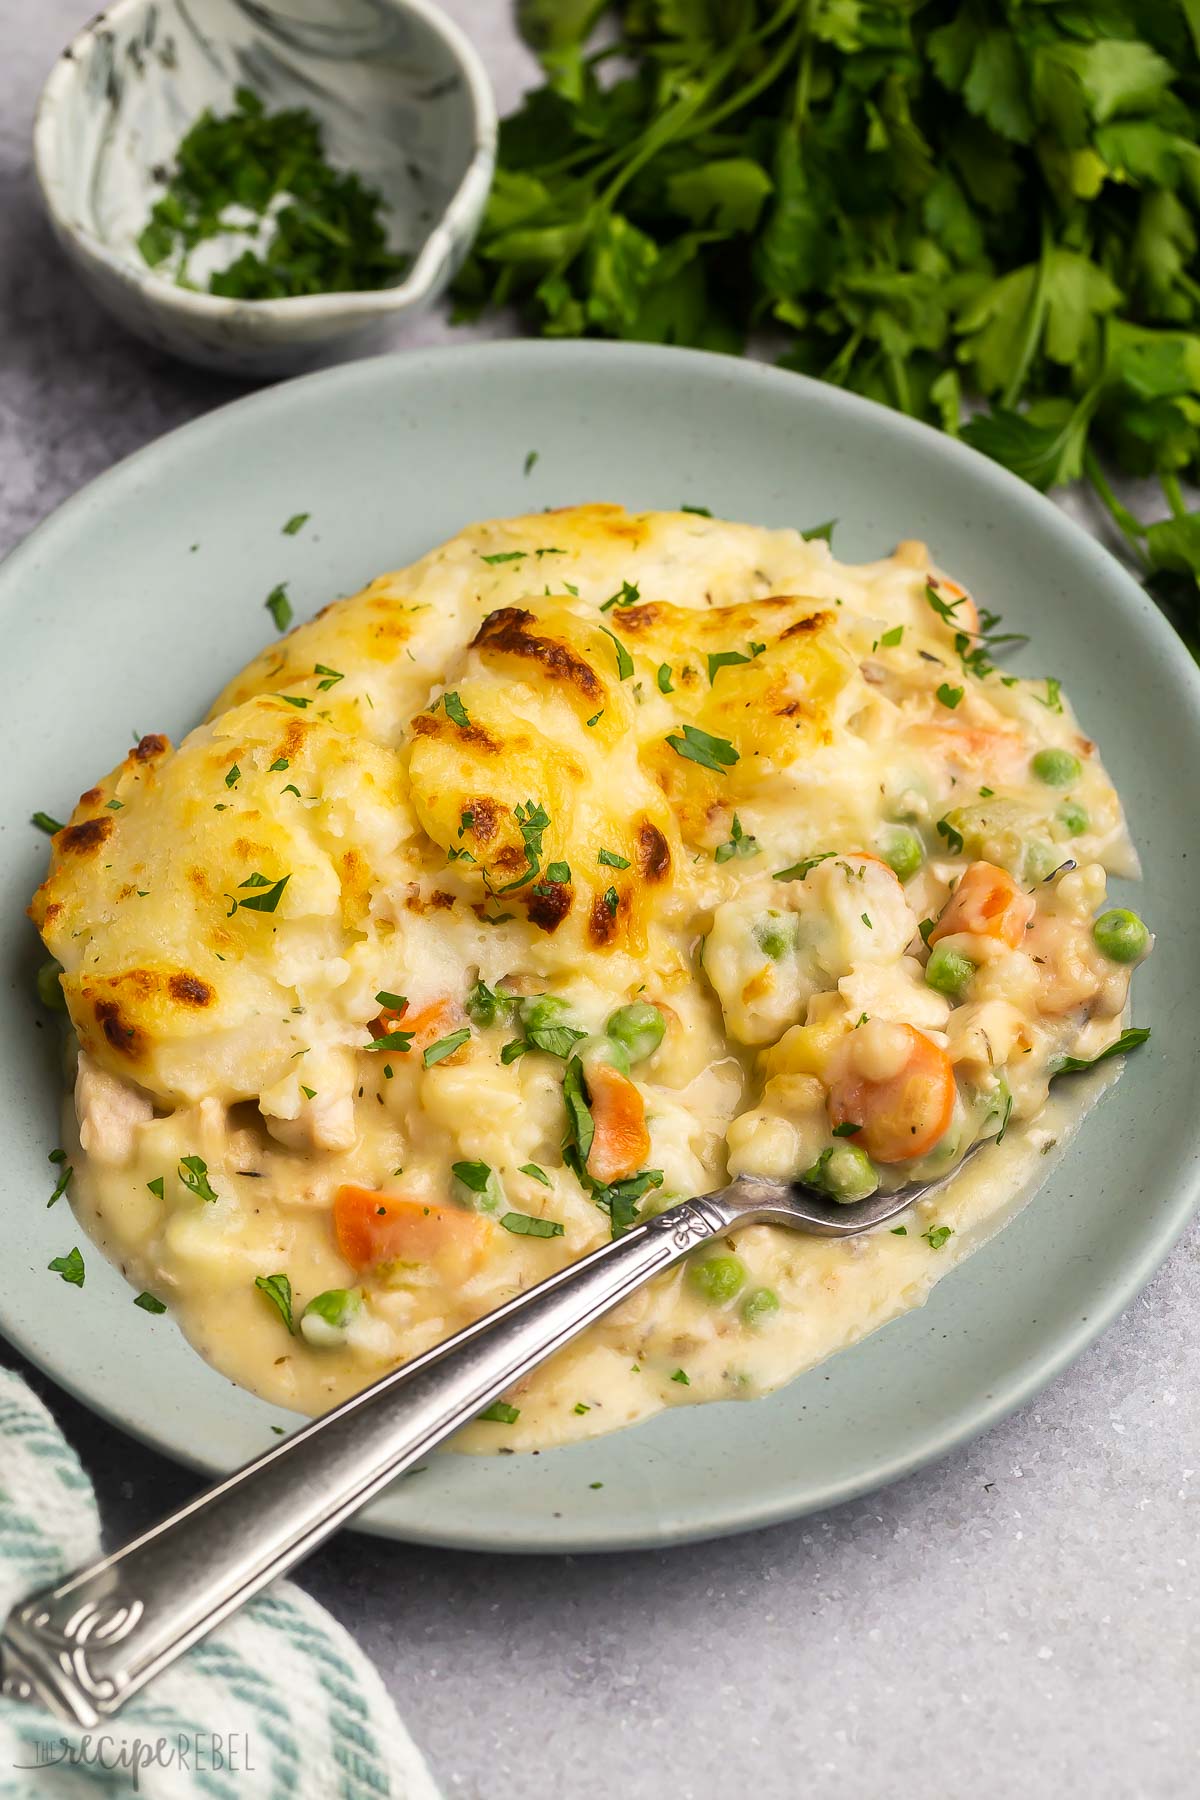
[594, 858]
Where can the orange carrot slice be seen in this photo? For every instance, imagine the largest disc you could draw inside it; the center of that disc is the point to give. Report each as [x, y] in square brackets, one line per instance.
[372, 1227]
[904, 1115]
[988, 903]
[621, 1143]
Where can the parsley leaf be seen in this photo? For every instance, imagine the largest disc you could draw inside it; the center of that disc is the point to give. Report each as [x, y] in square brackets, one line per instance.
[1128, 1040]
[700, 747]
[435, 1053]
[296, 523]
[279, 606]
[737, 844]
[278, 1290]
[624, 660]
[193, 1172]
[70, 1267]
[523, 1225]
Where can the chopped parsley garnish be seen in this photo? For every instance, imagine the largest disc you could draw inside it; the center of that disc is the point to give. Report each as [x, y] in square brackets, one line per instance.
[949, 696]
[899, 1230]
[723, 659]
[522, 1225]
[530, 459]
[435, 1053]
[611, 860]
[624, 660]
[291, 788]
[945, 609]
[1128, 1040]
[926, 929]
[504, 556]
[514, 1048]
[612, 900]
[279, 606]
[233, 777]
[738, 843]
[300, 700]
[1053, 699]
[193, 1172]
[278, 1290]
[483, 1003]
[954, 839]
[579, 1406]
[331, 677]
[846, 1129]
[391, 1040]
[296, 523]
[149, 1303]
[665, 684]
[45, 823]
[278, 766]
[266, 895]
[820, 531]
[891, 638]
[70, 1267]
[626, 595]
[501, 1413]
[701, 511]
[937, 1235]
[455, 710]
[679, 1374]
[115, 805]
[309, 1093]
[156, 1186]
[700, 747]
[558, 872]
[63, 1183]
[394, 1002]
[595, 718]
[537, 1174]
[315, 229]
[797, 871]
[533, 820]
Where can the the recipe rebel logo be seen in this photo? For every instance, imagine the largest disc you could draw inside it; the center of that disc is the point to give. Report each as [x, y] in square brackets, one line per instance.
[193, 1752]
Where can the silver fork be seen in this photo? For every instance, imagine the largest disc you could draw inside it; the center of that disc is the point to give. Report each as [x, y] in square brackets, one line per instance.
[85, 1647]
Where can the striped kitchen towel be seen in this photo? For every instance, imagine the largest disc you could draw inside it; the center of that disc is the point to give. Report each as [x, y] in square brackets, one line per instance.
[279, 1704]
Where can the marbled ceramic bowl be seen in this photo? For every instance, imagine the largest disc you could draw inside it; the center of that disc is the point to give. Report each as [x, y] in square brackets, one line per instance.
[403, 100]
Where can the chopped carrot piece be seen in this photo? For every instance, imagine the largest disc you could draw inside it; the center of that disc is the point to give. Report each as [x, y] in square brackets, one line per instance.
[988, 903]
[621, 1143]
[903, 1115]
[436, 1020]
[373, 1227]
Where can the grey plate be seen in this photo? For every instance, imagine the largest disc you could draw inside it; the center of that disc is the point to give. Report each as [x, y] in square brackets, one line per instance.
[115, 625]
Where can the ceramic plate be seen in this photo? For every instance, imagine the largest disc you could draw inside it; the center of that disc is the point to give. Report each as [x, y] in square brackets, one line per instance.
[130, 608]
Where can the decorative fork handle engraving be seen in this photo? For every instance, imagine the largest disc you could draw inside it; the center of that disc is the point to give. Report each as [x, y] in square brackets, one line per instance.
[85, 1646]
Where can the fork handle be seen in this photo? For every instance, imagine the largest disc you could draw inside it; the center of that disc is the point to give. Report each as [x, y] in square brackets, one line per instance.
[85, 1646]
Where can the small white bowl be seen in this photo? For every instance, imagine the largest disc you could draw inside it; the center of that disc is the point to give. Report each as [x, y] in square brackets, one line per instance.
[403, 100]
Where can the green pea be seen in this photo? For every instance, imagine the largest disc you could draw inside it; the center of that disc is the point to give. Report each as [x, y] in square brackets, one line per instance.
[758, 1306]
[638, 1028]
[593, 1050]
[1121, 936]
[776, 934]
[49, 987]
[1073, 818]
[844, 1172]
[902, 851]
[1057, 768]
[717, 1279]
[949, 972]
[324, 1320]
[542, 1011]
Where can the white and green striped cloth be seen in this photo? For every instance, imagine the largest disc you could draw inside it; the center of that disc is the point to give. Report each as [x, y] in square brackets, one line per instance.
[279, 1704]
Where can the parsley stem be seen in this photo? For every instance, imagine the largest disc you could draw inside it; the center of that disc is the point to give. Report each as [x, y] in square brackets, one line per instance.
[1122, 517]
[1036, 319]
[1170, 487]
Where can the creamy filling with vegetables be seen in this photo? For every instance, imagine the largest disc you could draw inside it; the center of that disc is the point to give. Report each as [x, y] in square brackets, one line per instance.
[591, 860]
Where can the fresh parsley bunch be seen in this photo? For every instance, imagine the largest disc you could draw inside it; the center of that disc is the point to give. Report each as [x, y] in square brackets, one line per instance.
[991, 201]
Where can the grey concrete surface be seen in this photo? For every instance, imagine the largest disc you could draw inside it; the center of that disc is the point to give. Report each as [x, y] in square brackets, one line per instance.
[1019, 1620]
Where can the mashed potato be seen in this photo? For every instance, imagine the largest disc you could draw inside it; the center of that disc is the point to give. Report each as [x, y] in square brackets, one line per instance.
[593, 858]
